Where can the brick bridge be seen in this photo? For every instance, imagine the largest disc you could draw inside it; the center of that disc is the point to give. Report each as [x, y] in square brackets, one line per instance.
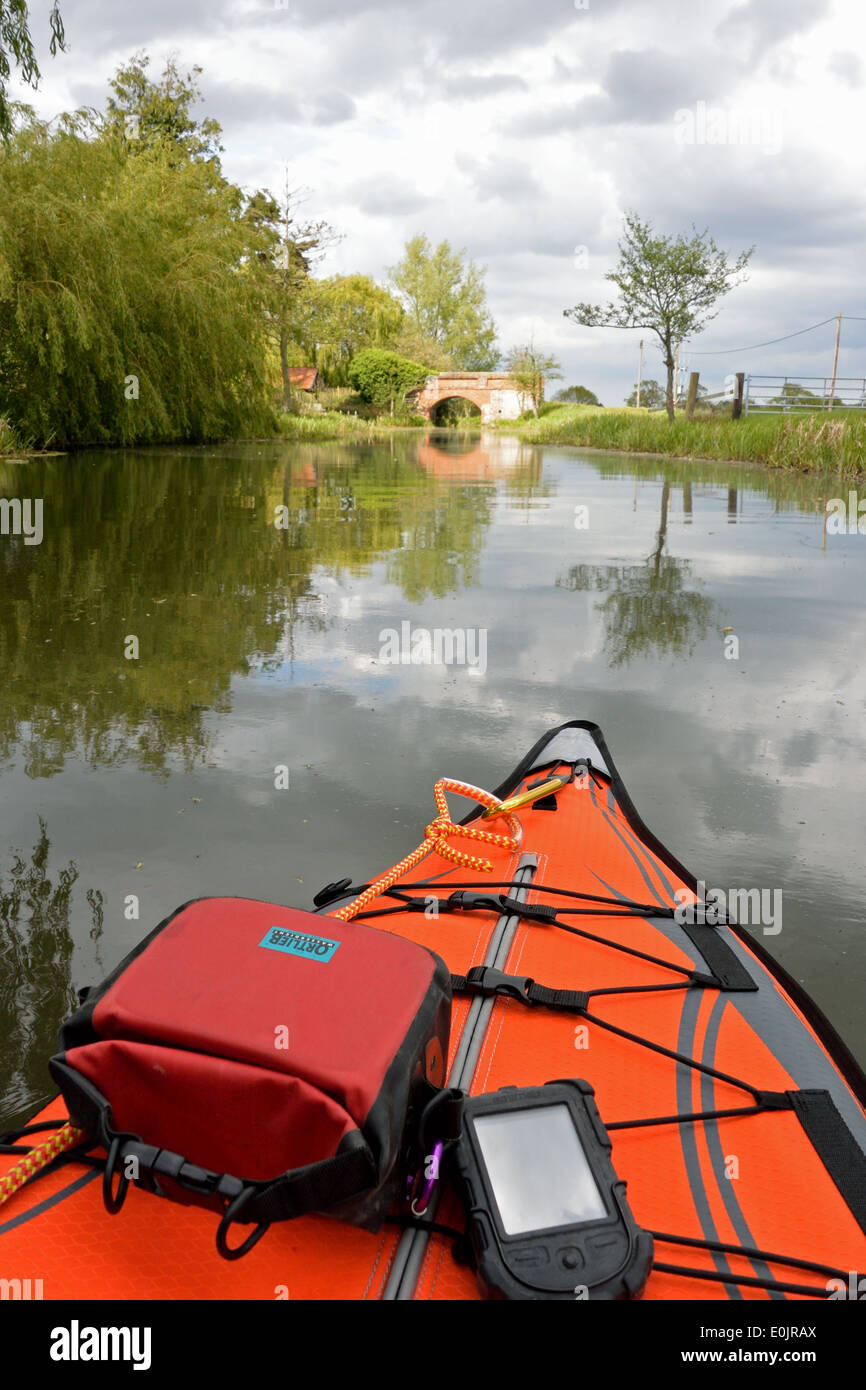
[497, 395]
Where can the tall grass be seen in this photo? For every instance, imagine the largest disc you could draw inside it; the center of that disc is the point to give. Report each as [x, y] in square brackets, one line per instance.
[835, 443]
[11, 441]
[336, 425]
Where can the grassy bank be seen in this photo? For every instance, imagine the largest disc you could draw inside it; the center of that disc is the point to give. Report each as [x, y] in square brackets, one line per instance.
[339, 425]
[834, 442]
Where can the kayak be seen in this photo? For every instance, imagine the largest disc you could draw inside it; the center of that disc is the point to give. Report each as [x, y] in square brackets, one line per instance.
[579, 948]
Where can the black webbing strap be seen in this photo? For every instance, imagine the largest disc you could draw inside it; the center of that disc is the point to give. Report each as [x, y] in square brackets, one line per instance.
[317, 1187]
[720, 958]
[836, 1147]
[488, 982]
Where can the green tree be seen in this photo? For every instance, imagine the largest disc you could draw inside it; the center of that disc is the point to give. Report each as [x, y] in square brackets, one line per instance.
[793, 394]
[292, 249]
[409, 341]
[667, 285]
[159, 114]
[17, 45]
[530, 368]
[131, 298]
[444, 296]
[383, 378]
[579, 395]
[652, 395]
[348, 313]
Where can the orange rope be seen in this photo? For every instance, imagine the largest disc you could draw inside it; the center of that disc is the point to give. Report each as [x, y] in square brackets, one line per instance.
[30, 1164]
[436, 837]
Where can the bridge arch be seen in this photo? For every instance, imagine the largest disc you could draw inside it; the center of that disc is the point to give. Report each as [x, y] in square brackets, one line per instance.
[497, 395]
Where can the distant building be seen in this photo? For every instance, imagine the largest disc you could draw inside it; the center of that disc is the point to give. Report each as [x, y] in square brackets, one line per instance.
[305, 378]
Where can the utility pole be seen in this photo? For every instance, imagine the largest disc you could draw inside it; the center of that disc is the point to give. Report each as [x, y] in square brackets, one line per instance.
[677, 376]
[835, 360]
[639, 371]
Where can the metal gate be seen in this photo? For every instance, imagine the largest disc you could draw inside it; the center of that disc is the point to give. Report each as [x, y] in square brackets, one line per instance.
[775, 395]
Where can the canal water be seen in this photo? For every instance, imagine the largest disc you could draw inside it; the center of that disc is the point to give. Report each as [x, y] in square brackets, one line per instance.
[197, 628]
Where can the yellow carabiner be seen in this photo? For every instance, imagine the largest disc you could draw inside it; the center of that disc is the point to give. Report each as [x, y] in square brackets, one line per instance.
[514, 803]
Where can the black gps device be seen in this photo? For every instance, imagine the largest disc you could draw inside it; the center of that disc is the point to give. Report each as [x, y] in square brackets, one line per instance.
[547, 1215]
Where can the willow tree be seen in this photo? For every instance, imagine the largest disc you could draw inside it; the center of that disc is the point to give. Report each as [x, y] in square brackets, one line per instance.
[131, 298]
[668, 286]
[16, 50]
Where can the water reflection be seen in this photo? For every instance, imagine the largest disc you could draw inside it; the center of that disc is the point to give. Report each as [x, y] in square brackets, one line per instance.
[36, 948]
[648, 610]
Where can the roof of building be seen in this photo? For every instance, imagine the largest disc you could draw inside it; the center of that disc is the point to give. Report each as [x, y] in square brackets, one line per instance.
[304, 377]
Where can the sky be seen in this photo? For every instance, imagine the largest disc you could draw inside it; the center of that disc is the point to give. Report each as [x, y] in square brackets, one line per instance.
[524, 132]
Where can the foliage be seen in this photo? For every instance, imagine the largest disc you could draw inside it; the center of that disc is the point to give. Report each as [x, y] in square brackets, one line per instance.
[444, 297]
[652, 395]
[131, 294]
[577, 395]
[158, 115]
[17, 44]
[348, 313]
[668, 285]
[293, 246]
[793, 394]
[530, 368]
[383, 378]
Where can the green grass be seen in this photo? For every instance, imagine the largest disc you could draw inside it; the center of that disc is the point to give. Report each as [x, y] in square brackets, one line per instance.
[808, 443]
[10, 441]
[336, 425]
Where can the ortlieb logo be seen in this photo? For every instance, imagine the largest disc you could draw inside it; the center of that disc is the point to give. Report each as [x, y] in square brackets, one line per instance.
[298, 943]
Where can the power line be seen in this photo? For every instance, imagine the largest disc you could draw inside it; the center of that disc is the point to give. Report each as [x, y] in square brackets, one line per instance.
[718, 352]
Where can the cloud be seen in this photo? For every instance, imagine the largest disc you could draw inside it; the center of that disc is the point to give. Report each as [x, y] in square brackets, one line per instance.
[477, 86]
[386, 195]
[500, 177]
[332, 108]
[758, 26]
[847, 66]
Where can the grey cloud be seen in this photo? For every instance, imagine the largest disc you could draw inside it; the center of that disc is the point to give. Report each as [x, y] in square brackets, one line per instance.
[499, 177]
[472, 87]
[237, 104]
[331, 108]
[96, 26]
[759, 25]
[640, 86]
[847, 66]
[386, 195]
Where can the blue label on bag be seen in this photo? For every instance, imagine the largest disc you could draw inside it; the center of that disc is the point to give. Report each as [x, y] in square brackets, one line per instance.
[296, 943]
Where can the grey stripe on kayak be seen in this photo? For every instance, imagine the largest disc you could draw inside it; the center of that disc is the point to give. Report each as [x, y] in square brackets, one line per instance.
[776, 1024]
[409, 1255]
[717, 1155]
[689, 1138]
[50, 1201]
[687, 1134]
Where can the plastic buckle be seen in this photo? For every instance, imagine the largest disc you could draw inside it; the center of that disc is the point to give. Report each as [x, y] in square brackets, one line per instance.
[487, 981]
[172, 1176]
[331, 892]
[463, 901]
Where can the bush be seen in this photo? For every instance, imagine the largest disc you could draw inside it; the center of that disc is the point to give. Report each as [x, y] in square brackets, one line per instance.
[383, 378]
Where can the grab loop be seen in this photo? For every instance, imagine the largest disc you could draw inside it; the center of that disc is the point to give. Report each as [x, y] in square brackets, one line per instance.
[438, 835]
